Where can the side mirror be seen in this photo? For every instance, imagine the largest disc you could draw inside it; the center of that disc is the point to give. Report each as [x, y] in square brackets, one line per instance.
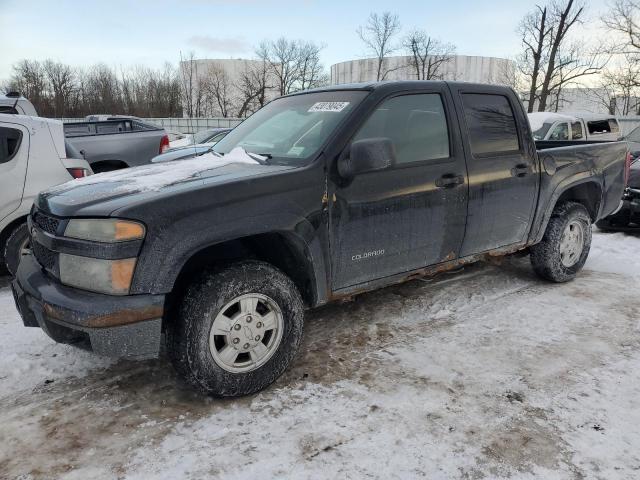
[367, 155]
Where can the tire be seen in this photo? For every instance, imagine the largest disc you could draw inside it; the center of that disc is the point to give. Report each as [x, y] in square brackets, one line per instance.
[558, 258]
[216, 298]
[17, 242]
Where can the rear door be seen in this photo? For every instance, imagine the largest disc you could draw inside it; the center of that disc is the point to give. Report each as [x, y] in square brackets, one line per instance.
[14, 153]
[502, 167]
[411, 215]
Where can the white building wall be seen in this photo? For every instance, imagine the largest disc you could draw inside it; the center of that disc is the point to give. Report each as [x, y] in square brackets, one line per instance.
[461, 67]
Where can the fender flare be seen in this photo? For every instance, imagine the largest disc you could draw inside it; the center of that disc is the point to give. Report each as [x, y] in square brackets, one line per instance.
[300, 231]
[565, 185]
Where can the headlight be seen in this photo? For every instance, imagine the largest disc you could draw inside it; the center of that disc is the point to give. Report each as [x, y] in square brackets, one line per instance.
[112, 277]
[109, 230]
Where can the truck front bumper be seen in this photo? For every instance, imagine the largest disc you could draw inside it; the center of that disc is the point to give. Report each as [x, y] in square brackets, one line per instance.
[118, 326]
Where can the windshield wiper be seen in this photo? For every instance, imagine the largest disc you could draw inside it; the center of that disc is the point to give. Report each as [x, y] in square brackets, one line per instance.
[261, 158]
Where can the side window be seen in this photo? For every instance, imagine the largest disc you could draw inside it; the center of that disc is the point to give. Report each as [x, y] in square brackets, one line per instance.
[560, 132]
[599, 126]
[8, 110]
[576, 131]
[10, 139]
[491, 123]
[613, 125]
[416, 124]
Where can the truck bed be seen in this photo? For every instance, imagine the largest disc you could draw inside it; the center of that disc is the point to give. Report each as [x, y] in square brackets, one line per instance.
[118, 143]
[562, 161]
[107, 127]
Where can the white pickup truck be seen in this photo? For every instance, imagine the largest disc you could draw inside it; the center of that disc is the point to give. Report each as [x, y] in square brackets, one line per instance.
[576, 128]
[33, 157]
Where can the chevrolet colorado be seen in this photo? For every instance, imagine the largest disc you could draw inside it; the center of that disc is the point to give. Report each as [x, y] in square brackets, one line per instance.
[317, 197]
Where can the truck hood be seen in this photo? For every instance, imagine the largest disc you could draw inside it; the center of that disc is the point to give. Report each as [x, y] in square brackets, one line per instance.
[112, 190]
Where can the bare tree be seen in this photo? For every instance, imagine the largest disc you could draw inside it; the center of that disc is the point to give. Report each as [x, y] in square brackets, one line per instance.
[29, 78]
[619, 87]
[252, 88]
[294, 64]
[377, 35]
[564, 17]
[58, 90]
[573, 64]
[428, 55]
[534, 30]
[218, 91]
[191, 85]
[551, 61]
[310, 69]
[62, 81]
[283, 59]
[624, 18]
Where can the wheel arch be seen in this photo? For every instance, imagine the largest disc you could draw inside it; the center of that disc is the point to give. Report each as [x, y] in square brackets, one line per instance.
[283, 250]
[8, 228]
[587, 192]
[6, 233]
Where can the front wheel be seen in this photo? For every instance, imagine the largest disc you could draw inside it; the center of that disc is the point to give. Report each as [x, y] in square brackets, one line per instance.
[237, 329]
[566, 243]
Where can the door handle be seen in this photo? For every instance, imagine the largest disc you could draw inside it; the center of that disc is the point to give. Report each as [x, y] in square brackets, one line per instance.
[520, 170]
[449, 180]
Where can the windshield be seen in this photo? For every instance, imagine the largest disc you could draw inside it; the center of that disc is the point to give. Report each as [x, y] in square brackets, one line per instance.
[203, 136]
[291, 130]
[540, 133]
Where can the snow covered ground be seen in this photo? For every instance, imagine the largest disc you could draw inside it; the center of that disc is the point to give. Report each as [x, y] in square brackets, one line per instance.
[487, 373]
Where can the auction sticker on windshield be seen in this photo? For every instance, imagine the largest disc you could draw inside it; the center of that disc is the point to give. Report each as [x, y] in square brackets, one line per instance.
[328, 106]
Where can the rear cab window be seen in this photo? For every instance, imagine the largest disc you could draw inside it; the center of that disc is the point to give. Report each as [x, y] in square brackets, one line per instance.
[416, 124]
[10, 139]
[491, 124]
[596, 127]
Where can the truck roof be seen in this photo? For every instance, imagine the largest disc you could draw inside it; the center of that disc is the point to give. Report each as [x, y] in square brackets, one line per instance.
[396, 85]
[23, 106]
[369, 85]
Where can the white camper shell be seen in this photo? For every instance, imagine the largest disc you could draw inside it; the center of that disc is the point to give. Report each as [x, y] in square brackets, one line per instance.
[578, 127]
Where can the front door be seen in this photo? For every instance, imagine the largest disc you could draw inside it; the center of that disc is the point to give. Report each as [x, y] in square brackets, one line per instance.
[412, 214]
[14, 151]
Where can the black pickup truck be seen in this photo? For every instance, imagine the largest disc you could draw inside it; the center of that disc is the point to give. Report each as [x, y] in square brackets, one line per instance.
[317, 197]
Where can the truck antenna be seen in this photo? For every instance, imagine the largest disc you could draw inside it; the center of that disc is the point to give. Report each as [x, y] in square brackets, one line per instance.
[188, 97]
[17, 97]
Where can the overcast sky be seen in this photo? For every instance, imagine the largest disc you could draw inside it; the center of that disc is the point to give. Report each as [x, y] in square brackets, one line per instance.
[123, 33]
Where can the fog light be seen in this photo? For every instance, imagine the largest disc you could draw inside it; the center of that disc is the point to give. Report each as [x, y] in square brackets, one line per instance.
[112, 277]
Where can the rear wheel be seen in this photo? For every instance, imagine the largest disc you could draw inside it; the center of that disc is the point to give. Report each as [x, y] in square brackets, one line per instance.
[566, 243]
[16, 247]
[237, 329]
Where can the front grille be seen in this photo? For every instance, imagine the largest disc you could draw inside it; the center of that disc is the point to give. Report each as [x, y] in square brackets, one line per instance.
[46, 223]
[44, 256]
